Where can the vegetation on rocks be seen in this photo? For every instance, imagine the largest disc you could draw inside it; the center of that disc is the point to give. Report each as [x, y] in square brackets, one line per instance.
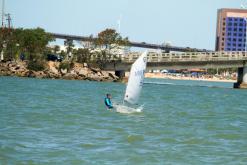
[66, 65]
[25, 53]
[36, 65]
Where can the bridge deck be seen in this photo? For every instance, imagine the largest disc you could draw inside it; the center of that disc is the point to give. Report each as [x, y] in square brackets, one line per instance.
[183, 60]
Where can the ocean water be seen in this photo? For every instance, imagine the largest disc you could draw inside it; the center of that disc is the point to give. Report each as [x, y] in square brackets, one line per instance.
[66, 122]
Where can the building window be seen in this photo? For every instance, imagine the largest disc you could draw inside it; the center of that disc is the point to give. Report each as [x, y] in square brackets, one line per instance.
[240, 34]
[228, 44]
[229, 39]
[240, 29]
[235, 24]
[235, 29]
[240, 40]
[235, 34]
[239, 49]
[229, 24]
[239, 45]
[234, 39]
[241, 24]
[229, 29]
[223, 34]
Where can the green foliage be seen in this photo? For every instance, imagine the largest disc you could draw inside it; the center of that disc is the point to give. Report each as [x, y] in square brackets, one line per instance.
[66, 65]
[108, 40]
[83, 55]
[38, 65]
[69, 46]
[32, 42]
[56, 49]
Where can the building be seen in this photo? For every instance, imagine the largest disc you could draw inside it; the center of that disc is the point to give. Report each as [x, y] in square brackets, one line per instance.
[231, 30]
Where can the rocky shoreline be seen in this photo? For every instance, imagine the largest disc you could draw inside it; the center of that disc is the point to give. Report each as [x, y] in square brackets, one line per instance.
[52, 71]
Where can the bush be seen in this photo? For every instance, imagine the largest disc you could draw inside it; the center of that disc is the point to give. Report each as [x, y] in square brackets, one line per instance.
[66, 65]
[36, 65]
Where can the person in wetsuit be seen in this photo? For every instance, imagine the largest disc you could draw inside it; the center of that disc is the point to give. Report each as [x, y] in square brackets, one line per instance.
[108, 101]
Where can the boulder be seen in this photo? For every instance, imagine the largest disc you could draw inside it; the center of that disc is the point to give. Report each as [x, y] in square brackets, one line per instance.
[54, 70]
[83, 72]
[95, 70]
[64, 71]
[113, 76]
[94, 77]
[85, 65]
[70, 76]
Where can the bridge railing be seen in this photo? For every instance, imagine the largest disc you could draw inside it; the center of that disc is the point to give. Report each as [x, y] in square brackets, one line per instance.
[193, 56]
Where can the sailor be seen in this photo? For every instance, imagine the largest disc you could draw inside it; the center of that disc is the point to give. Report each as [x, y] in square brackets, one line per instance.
[108, 101]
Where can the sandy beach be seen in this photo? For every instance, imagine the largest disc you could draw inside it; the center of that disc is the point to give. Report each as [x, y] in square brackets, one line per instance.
[182, 77]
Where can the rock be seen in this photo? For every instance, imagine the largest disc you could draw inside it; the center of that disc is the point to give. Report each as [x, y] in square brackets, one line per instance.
[64, 71]
[113, 76]
[79, 72]
[85, 65]
[72, 71]
[40, 74]
[54, 70]
[83, 72]
[105, 74]
[30, 74]
[70, 76]
[94, 77]
[95, 70]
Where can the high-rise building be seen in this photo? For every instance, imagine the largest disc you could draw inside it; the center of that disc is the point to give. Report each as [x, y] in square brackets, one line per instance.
[231, 30]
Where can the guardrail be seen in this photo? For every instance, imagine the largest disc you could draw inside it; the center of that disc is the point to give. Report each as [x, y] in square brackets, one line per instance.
[186, 57]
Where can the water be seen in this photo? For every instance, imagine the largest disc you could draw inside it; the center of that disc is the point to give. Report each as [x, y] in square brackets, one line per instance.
[65, 122]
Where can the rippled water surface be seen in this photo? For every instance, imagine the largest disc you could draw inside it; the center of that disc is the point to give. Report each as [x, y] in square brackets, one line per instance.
[65, 122]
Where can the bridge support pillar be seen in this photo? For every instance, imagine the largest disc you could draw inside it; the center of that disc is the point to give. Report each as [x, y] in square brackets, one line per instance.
[120, 73]
[242, 78]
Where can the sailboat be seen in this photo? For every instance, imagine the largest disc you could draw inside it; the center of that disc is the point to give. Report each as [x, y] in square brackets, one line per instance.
[134, 86]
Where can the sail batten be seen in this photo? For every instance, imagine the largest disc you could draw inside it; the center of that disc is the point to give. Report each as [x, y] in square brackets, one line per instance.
[136, 79]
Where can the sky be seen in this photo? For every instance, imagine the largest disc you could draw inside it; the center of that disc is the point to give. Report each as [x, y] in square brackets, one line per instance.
[187, 23]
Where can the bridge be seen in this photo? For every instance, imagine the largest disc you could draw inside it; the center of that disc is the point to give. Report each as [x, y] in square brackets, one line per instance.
[158, 61]
[166, 48]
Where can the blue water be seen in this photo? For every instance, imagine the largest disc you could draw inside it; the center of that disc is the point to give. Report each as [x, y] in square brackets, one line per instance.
[65, 122]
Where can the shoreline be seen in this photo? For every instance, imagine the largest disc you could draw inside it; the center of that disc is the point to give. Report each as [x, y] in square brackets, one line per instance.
[53, 71]
[170, 77]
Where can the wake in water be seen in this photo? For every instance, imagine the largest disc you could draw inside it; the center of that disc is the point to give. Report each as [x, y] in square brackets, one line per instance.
[127, 109]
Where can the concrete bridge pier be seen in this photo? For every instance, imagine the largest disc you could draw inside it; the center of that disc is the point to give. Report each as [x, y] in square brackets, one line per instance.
[242, 77]
[120, 73]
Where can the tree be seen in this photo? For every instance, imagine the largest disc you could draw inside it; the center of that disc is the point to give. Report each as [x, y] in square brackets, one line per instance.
[33, 42]
[83, 55]
[108, 40]
[8, 43]
[69, 47]
[56, 49]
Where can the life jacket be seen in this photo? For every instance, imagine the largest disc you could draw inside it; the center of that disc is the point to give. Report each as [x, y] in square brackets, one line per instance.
[108, 102]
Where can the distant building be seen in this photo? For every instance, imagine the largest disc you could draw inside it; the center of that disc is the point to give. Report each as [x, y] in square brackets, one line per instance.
[231, 30]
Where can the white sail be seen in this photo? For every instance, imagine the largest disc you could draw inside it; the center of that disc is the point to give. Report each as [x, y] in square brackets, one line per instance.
[136, 78]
